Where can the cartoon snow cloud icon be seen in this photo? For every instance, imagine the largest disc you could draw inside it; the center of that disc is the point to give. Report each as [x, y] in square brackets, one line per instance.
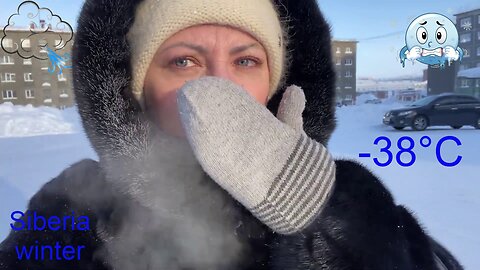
[41, 26]
[431, 39]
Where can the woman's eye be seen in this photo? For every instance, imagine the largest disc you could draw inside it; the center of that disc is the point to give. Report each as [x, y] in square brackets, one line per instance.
[183, 62]
[247, 62]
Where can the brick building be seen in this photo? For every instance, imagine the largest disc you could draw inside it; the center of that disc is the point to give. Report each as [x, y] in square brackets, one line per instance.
[28, 81]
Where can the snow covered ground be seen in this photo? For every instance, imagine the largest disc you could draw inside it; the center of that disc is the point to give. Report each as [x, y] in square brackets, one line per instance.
[446, 200]
[19, 121]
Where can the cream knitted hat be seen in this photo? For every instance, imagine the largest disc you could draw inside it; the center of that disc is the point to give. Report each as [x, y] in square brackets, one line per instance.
[157, 20]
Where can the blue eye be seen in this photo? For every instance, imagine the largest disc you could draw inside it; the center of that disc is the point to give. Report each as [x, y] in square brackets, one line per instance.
[246, 62]
[183, 62]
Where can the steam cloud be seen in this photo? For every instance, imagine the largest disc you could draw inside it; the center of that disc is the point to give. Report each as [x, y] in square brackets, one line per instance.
[41, 22]
[178, 217]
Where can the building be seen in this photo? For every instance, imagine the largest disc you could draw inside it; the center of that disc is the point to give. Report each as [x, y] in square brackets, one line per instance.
[28, 81]
[468, 26]
[345, 60]
[441, 80]
[399, 89]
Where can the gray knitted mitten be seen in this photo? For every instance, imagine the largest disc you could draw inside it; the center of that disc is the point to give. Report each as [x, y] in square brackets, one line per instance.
[269, 165]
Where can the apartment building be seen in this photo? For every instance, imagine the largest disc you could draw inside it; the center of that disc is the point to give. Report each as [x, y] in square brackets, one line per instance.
[468, 71]
[345, 60]
[28, 81]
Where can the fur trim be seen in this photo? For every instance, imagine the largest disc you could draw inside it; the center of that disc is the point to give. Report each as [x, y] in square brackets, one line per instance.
[113, 119]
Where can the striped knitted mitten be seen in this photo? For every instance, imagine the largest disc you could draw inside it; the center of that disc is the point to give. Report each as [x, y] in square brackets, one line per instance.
[269, 165]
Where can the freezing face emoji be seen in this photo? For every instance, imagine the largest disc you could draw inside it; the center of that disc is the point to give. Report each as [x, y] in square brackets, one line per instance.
[431, 39]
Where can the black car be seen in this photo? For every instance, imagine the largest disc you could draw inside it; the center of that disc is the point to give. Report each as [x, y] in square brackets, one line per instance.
[453, 110]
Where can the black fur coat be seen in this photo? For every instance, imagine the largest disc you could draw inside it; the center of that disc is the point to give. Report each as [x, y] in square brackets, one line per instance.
[360, 228]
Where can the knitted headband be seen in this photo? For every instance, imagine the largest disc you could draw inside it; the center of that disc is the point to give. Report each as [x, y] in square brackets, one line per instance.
[157, 20]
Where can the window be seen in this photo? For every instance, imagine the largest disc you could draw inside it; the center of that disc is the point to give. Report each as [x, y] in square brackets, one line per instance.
[8, 77]
[478, 51]
[29, 93]
[27, 61]
[466, 23]
[464, 38]
[446, 101]
[338, 62]
[42, 42]
[28, 77]
[338, 50]
[6, 60]
[7, 42]
[478, 35]
[61, 77]
[348, 74]
[478, 19]
[464, 83]
[47, 93]
[63, 93]
[466, 53]
[348, 87]
[477, 83]
[59, 43]
[25, 43]
[348, 62]
[465, 100]
[8, 94]
[348, 50]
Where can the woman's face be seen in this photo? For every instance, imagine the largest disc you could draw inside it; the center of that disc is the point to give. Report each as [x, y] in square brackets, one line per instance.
[204, 50]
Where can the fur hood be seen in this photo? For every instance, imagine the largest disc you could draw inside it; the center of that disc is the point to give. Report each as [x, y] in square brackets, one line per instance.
[113, 120]
[178, 202]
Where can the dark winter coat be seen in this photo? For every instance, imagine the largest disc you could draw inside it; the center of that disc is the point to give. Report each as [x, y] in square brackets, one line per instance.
[361, 227]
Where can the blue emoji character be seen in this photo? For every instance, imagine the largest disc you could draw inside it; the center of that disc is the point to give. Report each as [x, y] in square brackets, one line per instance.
[431, 39]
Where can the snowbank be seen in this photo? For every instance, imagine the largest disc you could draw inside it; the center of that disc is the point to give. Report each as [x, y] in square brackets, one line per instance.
[21, 121]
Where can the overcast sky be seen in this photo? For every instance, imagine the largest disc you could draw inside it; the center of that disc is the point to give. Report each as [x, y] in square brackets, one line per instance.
[379, 25]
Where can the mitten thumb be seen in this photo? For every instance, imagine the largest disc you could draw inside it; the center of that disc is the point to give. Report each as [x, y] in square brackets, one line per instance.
[291, 107]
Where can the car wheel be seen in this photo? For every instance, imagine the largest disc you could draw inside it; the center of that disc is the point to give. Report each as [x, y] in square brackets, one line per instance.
[420, 123]
[398, 128]
[457, 127]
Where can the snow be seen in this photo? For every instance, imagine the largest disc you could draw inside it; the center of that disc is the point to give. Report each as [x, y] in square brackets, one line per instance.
[361, 99]
[36, 144]
[19, 121]
[471, 73]
[446, 200]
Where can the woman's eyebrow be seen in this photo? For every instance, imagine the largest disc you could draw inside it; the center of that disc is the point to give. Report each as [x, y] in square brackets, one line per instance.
[242, 48]
[195, 47]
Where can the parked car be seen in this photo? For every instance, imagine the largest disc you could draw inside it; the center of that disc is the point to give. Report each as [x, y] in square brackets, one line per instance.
[373, 101]
[453, 110]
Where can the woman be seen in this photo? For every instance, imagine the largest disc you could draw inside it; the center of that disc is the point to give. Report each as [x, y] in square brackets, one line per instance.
[195, 172]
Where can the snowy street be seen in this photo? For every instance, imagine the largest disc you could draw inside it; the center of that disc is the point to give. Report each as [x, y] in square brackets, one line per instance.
[36, 144]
